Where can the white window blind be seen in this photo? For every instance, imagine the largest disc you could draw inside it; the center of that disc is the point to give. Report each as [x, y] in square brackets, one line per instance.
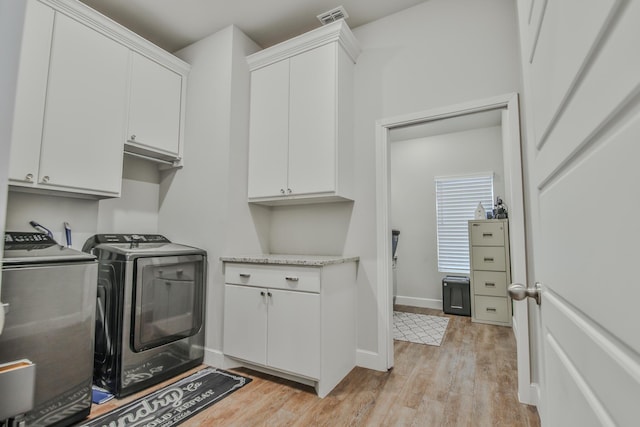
[456, 201]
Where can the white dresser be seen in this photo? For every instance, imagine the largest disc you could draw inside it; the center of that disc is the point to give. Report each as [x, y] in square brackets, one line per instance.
[490, 271]
[292, 316]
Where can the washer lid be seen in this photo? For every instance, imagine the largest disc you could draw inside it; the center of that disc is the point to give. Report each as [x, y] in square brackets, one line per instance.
[128, 246]
[34, 248]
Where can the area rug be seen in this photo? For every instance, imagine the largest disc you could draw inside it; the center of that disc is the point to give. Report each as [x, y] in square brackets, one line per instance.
[419, 328]
[176, 402]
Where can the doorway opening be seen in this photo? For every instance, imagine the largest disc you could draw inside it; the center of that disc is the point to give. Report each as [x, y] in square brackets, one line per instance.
[506, 106]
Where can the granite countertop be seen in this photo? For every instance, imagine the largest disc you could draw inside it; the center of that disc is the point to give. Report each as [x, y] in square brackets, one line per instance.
[313, 260]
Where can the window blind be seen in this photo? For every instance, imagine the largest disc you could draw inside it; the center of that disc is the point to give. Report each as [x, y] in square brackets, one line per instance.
[456, 201]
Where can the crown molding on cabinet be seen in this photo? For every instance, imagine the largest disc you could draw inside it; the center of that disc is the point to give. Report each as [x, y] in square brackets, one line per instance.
[88, 16]
[338, 31]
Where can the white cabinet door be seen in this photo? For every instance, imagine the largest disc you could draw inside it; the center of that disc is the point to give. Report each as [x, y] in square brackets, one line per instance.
[245, 323]
[84, 124]
[269, 131]
[155, 106]
[312, 121]
[30, 93]
[294, 332]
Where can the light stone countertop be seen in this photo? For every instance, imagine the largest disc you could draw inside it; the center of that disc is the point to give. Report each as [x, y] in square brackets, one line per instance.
[311, 260]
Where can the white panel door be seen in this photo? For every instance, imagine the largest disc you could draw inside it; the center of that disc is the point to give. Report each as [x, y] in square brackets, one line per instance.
[294, 332]
[313, 121]
[30, 93]
[154, 105]
[269, 130]
[84, 124]
[245, 323]
[582, 86]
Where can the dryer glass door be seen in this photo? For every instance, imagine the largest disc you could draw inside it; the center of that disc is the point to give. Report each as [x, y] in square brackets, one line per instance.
[169, 299]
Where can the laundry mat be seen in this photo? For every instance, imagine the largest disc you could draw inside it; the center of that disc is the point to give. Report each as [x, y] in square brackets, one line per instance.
[419, 328]
[176, 402]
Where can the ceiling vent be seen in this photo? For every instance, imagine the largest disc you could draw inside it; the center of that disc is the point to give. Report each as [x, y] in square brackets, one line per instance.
[333, 15]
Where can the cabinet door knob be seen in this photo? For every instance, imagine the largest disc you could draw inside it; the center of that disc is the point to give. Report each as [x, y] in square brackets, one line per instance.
[269, 294]
[45, 178]
[29, 177]
[289, 190]
[133, 137]
[262, 293]
[282, 191]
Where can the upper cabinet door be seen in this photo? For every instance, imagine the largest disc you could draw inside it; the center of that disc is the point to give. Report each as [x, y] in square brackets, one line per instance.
[301, 141]
[269, 131]
[30, 93]
[84, 125]
[313, 116]
[155, 107]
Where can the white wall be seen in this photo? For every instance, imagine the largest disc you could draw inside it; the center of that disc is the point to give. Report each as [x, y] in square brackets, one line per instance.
[438, 53]
[136, 211]
[204, 204]
[414, 165]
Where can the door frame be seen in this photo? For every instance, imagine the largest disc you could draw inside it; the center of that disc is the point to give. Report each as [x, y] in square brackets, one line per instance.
[512, 160]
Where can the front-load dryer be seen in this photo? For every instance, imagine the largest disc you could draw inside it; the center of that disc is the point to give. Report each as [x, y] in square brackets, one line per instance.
[150, 310]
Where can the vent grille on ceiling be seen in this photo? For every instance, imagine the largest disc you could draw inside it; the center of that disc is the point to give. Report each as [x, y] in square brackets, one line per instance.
[333, 15]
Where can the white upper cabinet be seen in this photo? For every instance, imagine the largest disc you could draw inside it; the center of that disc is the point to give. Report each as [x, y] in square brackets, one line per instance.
[82, 80]
[269, 130]
[155, 109]
[84, 122]
[301, 133]
[31, 91]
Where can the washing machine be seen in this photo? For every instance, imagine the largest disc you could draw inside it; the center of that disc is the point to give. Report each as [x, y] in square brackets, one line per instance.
[49, 295]
[150, 310]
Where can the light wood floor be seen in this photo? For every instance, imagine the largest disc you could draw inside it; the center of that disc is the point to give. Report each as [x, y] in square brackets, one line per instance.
[470, 380]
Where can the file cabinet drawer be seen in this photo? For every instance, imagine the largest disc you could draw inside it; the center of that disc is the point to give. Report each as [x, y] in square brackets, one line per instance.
[492, 309]
[491, 258]
[491, 283]
[306, 279]
[487, 233]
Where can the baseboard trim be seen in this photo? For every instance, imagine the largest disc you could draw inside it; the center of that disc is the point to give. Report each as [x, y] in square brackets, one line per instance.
[364, 359]
[213, 358]
[435, 304]
[370, 360]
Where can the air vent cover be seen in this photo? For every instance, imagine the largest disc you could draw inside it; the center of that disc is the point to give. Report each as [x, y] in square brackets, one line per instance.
[333, 15]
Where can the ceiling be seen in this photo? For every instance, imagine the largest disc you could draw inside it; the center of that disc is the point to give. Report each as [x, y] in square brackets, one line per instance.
[174, 24]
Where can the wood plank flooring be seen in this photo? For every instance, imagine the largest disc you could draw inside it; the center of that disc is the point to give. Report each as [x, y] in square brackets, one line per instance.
[470, 380]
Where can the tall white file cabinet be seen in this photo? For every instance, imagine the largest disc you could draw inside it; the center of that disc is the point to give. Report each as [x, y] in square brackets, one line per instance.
[490, 271]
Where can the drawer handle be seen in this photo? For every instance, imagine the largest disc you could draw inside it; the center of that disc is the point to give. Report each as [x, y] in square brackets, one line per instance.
[488, 260]
[292, 278]
[476, 225]
[245, 275]
[491, 309]
[490, 285]
[487, 234]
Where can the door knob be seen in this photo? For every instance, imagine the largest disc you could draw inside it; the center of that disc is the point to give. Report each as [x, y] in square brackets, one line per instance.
[518, 292]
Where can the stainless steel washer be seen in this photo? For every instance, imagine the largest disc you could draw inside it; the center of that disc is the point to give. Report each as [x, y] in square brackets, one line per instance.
[51, 295]
[150, 310]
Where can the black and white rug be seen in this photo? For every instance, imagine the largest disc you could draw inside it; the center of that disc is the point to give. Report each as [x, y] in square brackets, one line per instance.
[419, 328]
[174, 403]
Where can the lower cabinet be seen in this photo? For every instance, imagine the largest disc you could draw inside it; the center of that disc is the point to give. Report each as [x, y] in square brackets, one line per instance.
[275, 328]
[291, 320]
